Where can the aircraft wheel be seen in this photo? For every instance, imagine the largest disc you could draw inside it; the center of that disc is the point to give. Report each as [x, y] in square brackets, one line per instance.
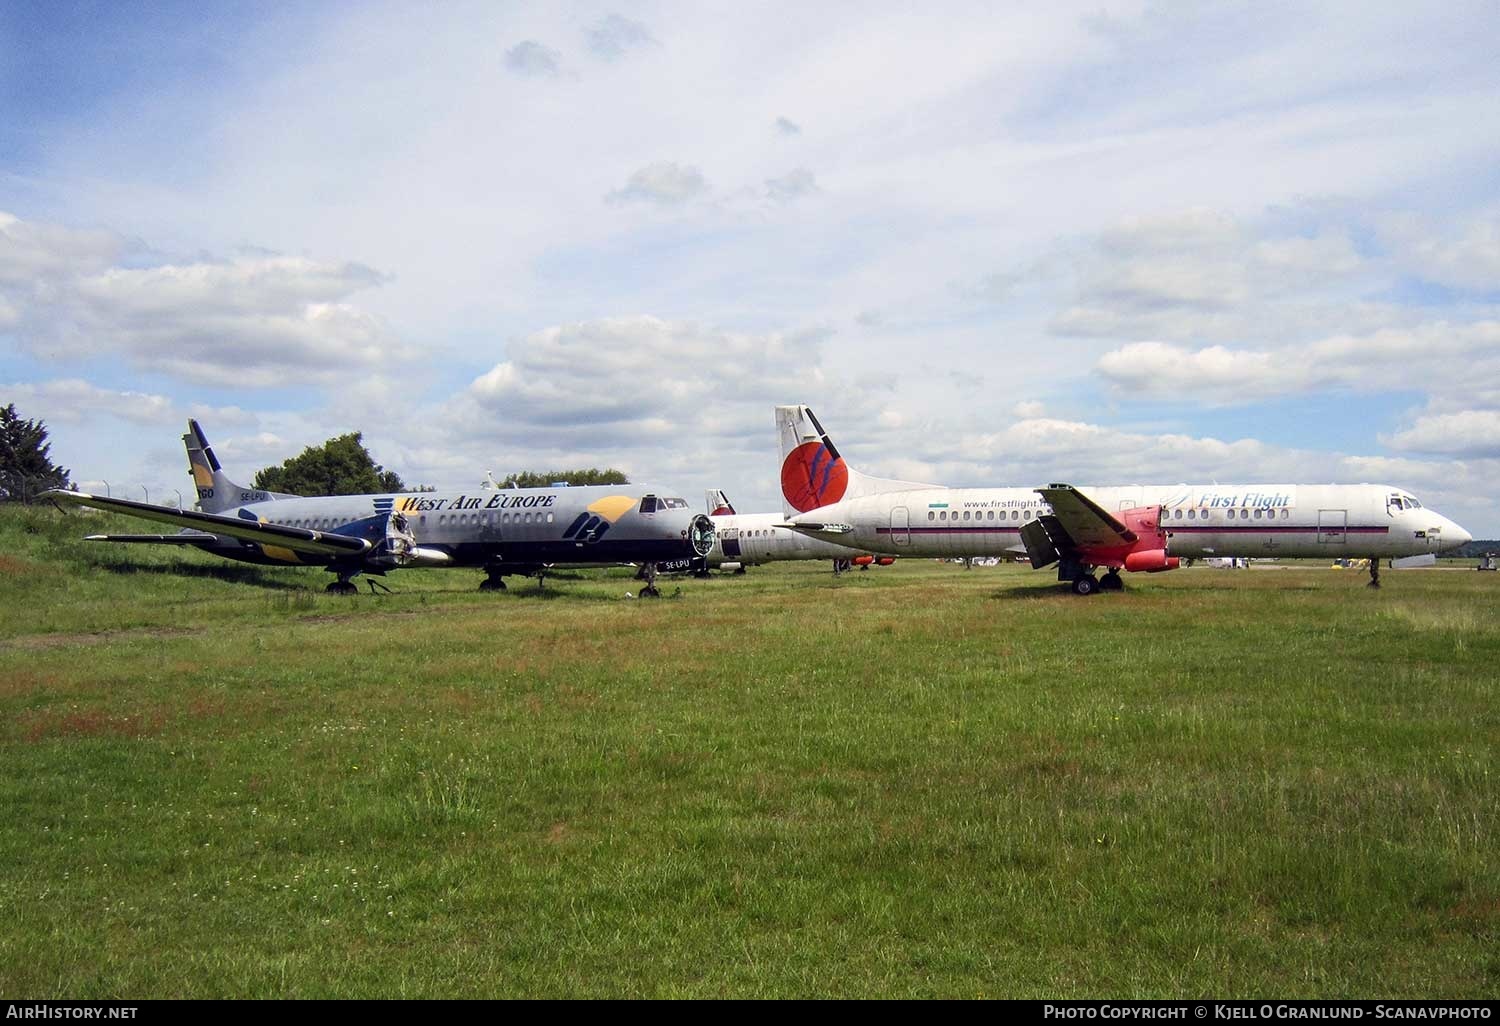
[1111, 582]
[492, 584]
[649, 591]
[342, 588]
[1085, 585]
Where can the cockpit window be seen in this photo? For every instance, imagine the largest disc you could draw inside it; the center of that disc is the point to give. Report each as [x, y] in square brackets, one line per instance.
[674, 504]
[648, 504]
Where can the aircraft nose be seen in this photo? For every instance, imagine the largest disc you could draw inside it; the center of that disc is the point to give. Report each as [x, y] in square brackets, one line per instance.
[1454, 536]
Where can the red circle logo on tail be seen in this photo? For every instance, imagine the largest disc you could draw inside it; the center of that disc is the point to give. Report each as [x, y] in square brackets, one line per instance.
[811, 477]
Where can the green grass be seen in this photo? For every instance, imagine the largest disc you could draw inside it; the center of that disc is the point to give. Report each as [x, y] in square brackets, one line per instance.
[920, 780]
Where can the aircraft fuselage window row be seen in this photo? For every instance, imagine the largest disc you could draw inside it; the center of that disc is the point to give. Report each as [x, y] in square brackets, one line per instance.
[443, 520]
[1015, 514]
[1231, 514]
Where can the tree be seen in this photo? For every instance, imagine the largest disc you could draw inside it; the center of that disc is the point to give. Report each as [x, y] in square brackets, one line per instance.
[25, 468]
[543, 478]
[340, 466]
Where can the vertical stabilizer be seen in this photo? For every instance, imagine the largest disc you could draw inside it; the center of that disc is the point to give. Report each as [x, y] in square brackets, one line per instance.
[216, 493]
[717, 503]
[813, 474]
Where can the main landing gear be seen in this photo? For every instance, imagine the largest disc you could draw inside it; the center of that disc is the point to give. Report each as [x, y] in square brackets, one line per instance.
[648, 574]
[1086, 583]
[1374, 572]
[345, 584]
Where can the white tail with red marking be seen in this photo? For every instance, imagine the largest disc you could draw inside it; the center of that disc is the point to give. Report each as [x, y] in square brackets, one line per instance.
[813, 474]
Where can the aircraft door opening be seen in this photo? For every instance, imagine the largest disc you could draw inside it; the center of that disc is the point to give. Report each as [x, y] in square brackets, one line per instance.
[1331, 526]
[900, 526]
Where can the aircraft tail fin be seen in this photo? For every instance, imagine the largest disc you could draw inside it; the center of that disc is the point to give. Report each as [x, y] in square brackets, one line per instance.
[718, 503]
[813, 474]
[216, 493]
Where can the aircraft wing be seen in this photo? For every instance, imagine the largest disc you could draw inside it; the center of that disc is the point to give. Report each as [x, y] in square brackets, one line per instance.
[1087, 524]
[298, 539]
[187, 538]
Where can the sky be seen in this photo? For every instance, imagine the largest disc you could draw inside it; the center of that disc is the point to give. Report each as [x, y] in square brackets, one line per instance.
[989, 244]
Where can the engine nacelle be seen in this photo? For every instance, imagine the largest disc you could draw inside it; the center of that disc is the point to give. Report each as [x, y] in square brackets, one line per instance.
[1150, 561]
[884, 560]
[862, 560]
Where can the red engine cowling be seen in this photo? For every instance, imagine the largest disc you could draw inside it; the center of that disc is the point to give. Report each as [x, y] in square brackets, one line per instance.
[1148, 553]
[862, 560]
[1151, 561]
[885, 560]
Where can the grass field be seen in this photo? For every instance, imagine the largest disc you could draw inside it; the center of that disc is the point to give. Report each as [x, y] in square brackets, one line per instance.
[920, 780]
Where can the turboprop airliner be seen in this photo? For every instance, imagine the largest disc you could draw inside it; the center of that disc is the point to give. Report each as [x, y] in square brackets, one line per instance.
[503, 532]
[750, 539]
[1082, 529]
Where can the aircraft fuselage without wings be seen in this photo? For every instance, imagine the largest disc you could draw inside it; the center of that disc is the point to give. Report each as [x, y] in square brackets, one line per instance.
[1146, 528]
[505, 531]
[751, 539]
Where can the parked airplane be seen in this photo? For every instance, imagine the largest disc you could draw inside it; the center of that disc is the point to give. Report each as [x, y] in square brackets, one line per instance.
[504, 531]
[1134, 527]
[750, 539]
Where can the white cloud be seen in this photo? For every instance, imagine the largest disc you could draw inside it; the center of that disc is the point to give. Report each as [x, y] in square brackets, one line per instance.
[663, 183]
[1459, 359]
[72, 400]
[614, 36]
[248, 322]
[792, 185]
[1464, 257]
[529, 57]
[1471, 434]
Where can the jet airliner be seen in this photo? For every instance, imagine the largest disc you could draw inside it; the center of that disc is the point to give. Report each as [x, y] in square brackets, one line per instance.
[1082, 529]
[503, 532]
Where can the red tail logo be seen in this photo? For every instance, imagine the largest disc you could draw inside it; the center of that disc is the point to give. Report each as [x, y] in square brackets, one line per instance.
[811, 476]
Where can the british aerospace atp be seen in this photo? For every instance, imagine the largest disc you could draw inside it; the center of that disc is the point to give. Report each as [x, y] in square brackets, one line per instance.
[503, 532]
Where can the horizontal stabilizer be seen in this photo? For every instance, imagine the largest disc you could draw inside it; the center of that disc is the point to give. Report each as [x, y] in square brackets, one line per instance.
[297, 539]
[819, 528]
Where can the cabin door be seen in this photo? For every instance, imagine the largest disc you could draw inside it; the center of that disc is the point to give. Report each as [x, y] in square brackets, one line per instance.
[1331, 526]
[900, 526]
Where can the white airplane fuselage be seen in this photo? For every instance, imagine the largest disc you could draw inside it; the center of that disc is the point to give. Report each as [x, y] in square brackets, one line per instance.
[751, 539]
[1200, 520]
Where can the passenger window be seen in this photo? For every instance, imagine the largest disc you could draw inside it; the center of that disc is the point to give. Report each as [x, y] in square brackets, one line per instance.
[966, 514]
[931, 515]
[549, 518]
[1192, 514]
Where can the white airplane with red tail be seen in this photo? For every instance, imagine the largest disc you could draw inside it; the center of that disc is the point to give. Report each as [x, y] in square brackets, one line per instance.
[1082, 529]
